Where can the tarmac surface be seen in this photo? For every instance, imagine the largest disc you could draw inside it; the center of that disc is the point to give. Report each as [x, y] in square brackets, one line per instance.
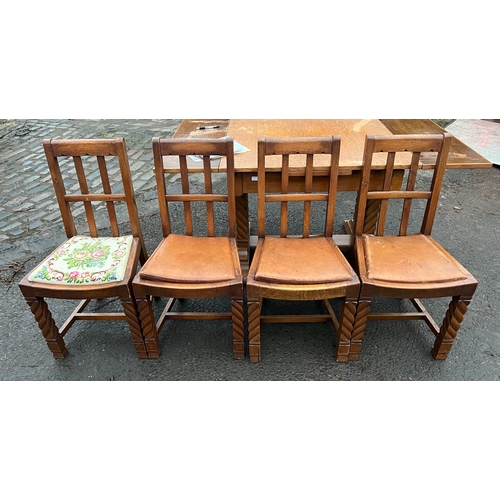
[467, 224]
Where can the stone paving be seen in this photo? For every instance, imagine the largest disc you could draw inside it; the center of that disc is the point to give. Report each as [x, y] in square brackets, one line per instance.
[27, 200]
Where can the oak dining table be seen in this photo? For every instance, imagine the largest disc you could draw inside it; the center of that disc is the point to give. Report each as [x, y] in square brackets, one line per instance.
[352, 132]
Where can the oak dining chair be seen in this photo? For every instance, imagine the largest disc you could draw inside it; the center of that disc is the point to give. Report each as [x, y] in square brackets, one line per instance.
[191, 262]
[87, 265]
[296, 265]
[401, 259]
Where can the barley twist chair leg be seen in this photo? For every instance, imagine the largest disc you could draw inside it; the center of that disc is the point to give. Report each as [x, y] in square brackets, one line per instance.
[47, 325]
[238, 329]
[134, 325]
[371, 216]
[254, 330]
[148, 326]
[242, 220]
[449, 328]
[358, 331]
[344, 333]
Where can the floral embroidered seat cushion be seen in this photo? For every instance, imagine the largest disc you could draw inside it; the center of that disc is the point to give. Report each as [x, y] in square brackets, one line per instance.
[83, 260]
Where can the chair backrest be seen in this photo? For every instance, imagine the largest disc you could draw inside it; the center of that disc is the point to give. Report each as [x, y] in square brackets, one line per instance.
[204, 150]
[373, 203]
[84, 154]
[299, 183]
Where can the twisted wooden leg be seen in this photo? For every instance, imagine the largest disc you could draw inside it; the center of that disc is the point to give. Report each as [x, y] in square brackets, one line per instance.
[148, 326]
[130, 310]
[344, 332]
[238, 329]
[254, 330]
[243, 230]
[54, 339]
[371, 216]
[449, 328]
[358, 331]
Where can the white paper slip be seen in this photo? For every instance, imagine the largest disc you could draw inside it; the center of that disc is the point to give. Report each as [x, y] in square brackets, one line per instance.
[238, 148]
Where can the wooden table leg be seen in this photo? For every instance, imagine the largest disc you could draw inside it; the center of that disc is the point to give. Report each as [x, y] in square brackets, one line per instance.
[373, 206]
[243, 231]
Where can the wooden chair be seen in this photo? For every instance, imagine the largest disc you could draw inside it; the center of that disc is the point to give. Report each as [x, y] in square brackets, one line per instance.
[300, 267]
[88, 267]
[185, 266]
[407, 266]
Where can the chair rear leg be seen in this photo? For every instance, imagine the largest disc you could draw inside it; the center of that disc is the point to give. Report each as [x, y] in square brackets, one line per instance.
[43, 316]
[345, 329]
[254, 330]
[148, 326]
[358, 331]
[134, 324]
[449, 328]
[238, 329]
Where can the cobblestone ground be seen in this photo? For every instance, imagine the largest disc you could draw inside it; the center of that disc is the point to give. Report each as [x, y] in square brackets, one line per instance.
[27, 200]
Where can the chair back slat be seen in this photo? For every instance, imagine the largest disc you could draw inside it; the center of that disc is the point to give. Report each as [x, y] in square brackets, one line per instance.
[207, 173]
[285, 165]
[375, 202]
[206, 149]
[110, 206]
[98, 149]
[311, 147]
[389, 170]
[82, 181]
[188, 217]
[410, 186]
[306, 227]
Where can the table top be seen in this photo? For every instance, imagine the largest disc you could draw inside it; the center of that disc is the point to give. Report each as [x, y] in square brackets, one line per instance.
[352, 133]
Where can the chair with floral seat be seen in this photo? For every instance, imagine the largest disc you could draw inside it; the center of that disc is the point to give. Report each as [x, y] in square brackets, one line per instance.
[87, 267]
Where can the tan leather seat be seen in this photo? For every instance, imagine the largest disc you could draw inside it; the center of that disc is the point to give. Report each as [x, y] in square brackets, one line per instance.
[300, 261]
[410, 259]
[191, 259]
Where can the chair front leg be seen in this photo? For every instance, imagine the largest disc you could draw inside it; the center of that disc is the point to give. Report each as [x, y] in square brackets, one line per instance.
[134, 324]
[449, 328]
[238, 328]
[358, 331]
[47, 325]
[148, 326]
[345, 329]
[254, 329]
